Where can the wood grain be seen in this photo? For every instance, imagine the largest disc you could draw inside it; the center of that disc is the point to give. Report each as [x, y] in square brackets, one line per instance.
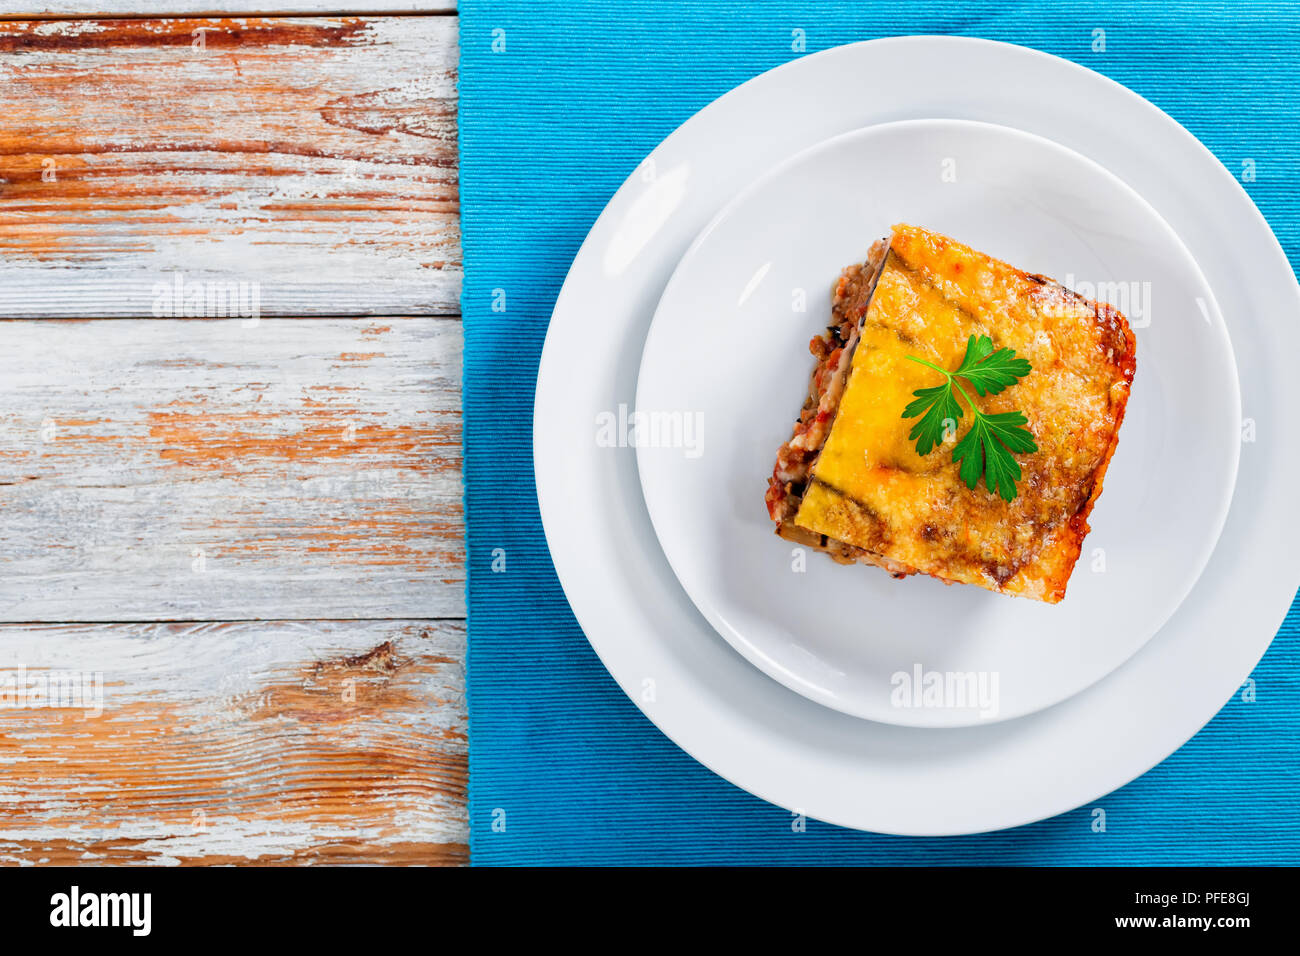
[314, 159]
[202, 470]
[82, 9]
[278, 742]
[234, 480]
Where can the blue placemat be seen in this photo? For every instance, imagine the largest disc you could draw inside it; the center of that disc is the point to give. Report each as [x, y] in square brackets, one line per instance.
[559, 102]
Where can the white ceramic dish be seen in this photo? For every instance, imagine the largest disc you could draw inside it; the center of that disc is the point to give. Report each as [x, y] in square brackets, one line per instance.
[728, 354]
[715, 704]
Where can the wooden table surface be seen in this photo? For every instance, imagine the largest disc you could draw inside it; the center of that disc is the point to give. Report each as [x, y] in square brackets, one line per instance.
[230, 434]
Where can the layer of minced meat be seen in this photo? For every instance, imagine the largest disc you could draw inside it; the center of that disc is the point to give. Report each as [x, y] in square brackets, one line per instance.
[833, 350]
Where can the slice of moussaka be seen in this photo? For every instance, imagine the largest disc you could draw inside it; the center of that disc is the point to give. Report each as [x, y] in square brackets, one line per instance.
[852, 480]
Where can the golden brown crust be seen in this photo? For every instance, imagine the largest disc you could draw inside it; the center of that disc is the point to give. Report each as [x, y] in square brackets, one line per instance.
[1078, 527]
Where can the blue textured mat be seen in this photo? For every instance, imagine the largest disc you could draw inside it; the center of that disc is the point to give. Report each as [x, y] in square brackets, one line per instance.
[551, 122]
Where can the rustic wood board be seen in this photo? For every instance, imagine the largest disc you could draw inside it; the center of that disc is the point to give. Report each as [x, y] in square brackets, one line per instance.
[205, 470]
[314, 159]
[284, 742]
[63, 9]
[246, 533]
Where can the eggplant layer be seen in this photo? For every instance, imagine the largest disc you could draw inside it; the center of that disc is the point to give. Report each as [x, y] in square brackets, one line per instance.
[796, 459]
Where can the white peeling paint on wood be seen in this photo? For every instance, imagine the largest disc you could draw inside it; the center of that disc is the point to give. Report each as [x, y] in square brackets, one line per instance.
[200, 470]
[172, 470]
[146, 8]
[312, 158]
[238, 742]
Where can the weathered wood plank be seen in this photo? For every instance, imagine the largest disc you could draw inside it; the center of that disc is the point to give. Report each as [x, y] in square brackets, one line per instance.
[314, 159]
[204, 470]
[261, 743]
[170, 8]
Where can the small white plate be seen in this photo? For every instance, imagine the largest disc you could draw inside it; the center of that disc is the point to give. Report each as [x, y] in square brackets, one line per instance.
[727, 354]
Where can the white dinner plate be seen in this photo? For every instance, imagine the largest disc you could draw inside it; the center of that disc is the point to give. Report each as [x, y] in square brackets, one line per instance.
[727, 358]
[707, 698]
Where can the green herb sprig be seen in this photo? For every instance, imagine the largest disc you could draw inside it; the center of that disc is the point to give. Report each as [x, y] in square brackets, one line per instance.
[986, 449]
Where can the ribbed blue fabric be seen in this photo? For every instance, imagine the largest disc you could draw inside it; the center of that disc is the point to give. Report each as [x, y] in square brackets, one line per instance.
[550, 126]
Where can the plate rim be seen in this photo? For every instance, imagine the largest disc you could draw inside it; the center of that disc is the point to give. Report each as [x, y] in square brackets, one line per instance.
[549, 468]
[746, 648]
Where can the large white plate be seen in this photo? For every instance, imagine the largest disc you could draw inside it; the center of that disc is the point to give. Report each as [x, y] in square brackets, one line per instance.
[713, 703]
[727, 354]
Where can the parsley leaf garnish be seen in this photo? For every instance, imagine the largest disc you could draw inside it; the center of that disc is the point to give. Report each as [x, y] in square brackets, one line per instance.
[940, 406]
[986, 449]
[989, 371]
